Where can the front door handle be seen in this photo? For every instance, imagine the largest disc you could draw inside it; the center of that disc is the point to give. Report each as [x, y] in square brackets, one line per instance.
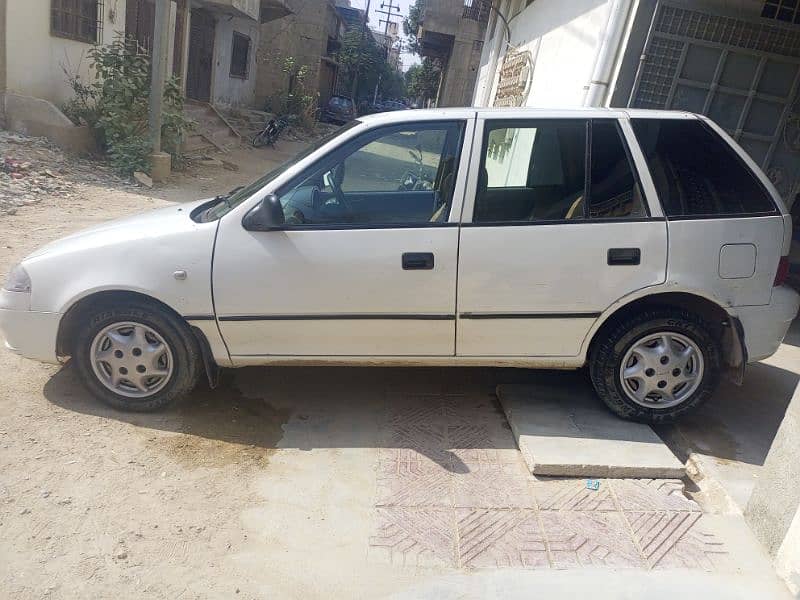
[624, 256]
[422, 261]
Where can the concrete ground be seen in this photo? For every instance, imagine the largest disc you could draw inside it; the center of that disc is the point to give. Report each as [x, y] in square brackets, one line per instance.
[333, 482]
[730, 436]
[329, 483]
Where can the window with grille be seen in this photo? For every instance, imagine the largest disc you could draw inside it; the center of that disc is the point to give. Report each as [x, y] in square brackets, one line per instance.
[240, 57]
[80, 20]
[477, 10]
[787, 11]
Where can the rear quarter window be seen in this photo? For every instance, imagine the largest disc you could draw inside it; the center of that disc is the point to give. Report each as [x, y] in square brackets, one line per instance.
[697, 173]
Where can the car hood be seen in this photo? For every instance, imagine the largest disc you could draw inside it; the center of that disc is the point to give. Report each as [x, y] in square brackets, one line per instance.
[150, 224]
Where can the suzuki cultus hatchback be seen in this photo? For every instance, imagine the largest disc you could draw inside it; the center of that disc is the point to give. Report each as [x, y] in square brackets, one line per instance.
[647, 245]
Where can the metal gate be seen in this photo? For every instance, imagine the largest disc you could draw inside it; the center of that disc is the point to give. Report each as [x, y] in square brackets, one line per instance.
[743, 74]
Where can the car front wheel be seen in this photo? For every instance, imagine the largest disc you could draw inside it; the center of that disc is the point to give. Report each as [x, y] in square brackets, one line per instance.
[136, 356]
[655, 366]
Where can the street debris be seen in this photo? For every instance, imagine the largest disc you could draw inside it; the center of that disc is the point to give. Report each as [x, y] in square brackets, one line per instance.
[143, 178]
[32, 169]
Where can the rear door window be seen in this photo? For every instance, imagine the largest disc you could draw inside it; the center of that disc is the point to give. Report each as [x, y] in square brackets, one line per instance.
[697, 173]
[556, 170]
[615, 191]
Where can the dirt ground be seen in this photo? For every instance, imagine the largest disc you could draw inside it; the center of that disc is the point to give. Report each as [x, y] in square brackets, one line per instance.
[69, 526]
[303, 482]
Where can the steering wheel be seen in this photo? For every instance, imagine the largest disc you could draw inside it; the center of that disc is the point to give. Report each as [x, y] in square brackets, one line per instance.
[293, 212]
[337, 176]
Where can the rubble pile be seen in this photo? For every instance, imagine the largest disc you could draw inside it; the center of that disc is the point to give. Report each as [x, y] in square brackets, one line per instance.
[32, 169]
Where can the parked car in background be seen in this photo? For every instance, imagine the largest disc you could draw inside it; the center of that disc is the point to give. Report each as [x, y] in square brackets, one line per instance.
[391, 105]
[339, 109]
[646, 245]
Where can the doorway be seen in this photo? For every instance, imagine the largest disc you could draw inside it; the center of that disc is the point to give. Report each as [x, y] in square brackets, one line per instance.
[201, 56]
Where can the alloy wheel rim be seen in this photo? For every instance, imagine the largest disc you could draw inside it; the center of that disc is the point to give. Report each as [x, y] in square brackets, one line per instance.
[662, 370]
[131, 359]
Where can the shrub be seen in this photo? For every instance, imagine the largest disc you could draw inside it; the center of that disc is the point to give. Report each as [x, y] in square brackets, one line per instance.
[115, 105]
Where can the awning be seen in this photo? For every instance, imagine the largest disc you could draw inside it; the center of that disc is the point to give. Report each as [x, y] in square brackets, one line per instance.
[273, 9]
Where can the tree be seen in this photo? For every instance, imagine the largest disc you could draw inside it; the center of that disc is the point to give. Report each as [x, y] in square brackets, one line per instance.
[422, 80]
[367, 60]
[411, 25]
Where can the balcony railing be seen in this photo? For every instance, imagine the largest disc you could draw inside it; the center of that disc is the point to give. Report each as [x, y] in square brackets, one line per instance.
[477, 10]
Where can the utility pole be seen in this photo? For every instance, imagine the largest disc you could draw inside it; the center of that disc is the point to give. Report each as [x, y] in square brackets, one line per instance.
[387, 8]
[358, 57]
[160, 161]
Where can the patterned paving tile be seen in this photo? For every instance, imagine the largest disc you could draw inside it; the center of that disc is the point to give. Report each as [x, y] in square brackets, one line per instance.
[408, 482]
[500, 538]
[452, 490]
[672, 539]
[493, 485]
[414, 537]
[572, 494]
[582, 539]
[652, 494]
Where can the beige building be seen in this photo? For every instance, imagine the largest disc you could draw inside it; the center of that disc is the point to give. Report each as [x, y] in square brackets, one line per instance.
[452, 31]
[311, 35]
[212, 50]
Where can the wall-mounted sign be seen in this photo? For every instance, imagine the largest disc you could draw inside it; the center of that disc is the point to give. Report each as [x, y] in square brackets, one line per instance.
[516, 75]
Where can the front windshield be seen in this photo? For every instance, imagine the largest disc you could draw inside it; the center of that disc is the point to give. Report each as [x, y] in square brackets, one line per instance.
[242, 194]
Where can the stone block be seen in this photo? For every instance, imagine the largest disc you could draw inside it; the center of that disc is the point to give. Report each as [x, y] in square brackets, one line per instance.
[567, 431]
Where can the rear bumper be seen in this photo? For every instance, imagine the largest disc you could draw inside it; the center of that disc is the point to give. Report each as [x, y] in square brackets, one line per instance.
[28, 333]
[766, 326]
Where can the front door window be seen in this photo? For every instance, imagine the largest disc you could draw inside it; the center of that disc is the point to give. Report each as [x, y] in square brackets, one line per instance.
[400, 175]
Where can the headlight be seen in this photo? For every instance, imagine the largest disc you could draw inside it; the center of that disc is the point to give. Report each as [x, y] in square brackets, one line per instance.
[18, 280]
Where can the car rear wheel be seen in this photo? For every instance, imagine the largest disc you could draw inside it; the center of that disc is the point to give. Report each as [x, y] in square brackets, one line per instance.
[136, 356]
[656, 366]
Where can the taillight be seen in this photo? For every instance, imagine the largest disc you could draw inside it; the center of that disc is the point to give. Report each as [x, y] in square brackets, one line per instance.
[783, 271]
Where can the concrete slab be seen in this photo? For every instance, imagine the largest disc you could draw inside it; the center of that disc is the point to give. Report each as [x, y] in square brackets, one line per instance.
[566, 431]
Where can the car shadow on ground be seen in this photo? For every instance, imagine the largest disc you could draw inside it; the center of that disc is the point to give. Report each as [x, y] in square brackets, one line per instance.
[351, 407]
[328, 407]
[738, 423]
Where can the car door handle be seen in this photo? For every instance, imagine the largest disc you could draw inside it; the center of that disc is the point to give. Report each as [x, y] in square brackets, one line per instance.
[422, 261]
[624, 256]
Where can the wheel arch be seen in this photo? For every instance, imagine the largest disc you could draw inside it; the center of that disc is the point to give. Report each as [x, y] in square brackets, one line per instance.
[72, 316]
[726, 328]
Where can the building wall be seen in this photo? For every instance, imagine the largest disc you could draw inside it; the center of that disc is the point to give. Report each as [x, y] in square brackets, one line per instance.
[773, 511]
[303, 35]
[563, 38]
[462, 69]
[445, 17]
[36, 60]
[251, 8]
[227, 90]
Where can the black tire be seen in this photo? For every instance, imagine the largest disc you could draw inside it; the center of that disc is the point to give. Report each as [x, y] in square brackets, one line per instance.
[259, 140]
[186, 357]
[609, 350]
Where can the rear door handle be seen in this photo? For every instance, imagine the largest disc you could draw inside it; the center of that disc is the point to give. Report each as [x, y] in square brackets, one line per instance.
[422, 261]
[624, 256]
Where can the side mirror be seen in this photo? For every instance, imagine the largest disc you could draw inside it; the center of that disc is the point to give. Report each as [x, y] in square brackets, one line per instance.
[265, 216]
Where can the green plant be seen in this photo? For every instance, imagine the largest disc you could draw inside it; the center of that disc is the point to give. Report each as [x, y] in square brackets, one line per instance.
[116, 105]
[422, 80]
[411, 25]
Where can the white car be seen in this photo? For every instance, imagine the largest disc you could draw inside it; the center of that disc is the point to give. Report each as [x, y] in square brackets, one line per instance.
[646, 244]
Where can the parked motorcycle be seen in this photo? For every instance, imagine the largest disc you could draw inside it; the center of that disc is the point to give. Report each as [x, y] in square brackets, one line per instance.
[271, 132]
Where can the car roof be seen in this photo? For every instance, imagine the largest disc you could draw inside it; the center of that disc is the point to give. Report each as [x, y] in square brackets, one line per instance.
[530, 113]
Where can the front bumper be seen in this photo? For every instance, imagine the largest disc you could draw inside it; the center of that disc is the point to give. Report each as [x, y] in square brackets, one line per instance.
[766, 326]
[28, 333]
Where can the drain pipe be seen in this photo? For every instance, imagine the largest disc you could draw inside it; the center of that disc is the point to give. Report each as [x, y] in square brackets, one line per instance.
[498, 44]
[598, 88]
